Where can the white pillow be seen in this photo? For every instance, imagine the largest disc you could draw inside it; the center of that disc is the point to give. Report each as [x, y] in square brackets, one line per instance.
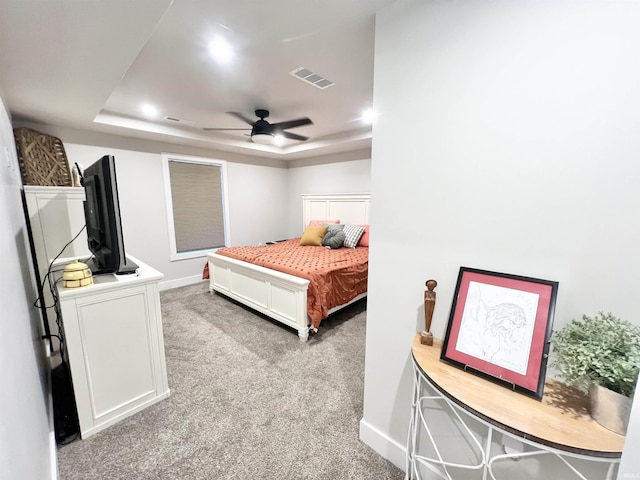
[352, 235]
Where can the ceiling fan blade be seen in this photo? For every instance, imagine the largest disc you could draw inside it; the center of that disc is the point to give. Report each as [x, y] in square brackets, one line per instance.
[223, 129]
[241, 117]
[292, 123]
[293, 136]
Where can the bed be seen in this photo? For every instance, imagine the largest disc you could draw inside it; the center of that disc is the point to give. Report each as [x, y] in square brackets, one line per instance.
[291, 297]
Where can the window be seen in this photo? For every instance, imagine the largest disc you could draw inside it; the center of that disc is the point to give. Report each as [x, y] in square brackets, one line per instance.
[198, 218]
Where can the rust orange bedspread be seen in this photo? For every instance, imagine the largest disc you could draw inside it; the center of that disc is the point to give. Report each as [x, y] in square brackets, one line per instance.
[335, 276]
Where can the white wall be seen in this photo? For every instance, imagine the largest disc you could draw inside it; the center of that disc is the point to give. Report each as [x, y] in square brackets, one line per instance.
[258, 202]
[507, 140]
[27, 443]
[345, 173]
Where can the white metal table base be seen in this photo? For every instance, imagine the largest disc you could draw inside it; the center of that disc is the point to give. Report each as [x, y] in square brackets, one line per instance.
[426, 396]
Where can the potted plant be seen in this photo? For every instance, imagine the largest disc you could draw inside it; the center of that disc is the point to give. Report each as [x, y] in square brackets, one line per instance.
[600, 355]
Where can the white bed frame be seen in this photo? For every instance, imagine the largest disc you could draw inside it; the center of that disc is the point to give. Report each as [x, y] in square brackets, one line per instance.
[278, 295]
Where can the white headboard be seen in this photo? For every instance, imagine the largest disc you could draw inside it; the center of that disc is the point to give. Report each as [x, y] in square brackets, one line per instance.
[346, 207]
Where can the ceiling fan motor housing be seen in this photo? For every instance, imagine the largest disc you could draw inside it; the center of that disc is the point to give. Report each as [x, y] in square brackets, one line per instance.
[262, 127]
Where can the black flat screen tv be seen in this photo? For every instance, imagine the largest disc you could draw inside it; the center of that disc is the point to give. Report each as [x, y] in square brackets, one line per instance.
[102, 216]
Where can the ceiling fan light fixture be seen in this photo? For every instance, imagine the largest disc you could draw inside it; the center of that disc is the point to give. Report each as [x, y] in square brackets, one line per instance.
[262, 138]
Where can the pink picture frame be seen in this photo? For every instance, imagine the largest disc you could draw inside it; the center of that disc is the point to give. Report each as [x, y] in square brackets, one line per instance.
[499, 327]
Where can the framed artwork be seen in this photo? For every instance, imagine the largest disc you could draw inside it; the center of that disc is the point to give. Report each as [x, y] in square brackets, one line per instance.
[499, 327]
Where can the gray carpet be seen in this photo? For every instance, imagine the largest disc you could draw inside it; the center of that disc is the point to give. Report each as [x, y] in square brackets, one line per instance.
[248, 401]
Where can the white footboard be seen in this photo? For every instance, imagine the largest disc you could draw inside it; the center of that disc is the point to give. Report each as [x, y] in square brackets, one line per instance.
[278, 295]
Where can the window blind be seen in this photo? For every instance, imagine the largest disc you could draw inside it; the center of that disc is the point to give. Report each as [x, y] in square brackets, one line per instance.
[198, 214]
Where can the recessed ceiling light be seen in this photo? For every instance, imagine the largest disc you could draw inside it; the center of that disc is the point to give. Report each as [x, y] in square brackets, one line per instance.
[368, 115]
[221, 50]
[149, 110]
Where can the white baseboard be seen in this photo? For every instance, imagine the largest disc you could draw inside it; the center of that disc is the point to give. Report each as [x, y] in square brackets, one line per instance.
[53, 452]
[180, 282]
[382, 444]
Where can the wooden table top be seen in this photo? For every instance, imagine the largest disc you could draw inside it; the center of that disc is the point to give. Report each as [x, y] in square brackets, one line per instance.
[560, 420]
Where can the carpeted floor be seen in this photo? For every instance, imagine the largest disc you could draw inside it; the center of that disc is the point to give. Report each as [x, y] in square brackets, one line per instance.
[248, 401]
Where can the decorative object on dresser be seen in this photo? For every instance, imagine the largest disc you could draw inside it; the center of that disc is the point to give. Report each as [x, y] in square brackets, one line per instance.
[426, 337]
[77, 274]
[77, 172]
[292, 296]
[600, 355]
[42, 158]
[499, 327]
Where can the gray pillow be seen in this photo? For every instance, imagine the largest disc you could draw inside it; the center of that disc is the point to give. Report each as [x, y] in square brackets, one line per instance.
[334, 238]
[334, 226]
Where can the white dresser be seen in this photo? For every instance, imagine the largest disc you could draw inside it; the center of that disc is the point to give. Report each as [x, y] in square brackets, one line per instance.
[115, 347]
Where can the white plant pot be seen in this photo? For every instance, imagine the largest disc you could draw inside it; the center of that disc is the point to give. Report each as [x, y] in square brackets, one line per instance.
[610, 409]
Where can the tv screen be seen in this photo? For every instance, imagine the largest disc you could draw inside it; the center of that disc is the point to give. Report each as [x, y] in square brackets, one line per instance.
[102, 216]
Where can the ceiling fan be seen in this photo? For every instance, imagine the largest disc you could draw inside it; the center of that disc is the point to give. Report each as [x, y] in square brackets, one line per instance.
[264, 132]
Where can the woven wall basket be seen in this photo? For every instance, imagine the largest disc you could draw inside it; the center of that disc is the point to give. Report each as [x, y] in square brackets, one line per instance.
[42, 158]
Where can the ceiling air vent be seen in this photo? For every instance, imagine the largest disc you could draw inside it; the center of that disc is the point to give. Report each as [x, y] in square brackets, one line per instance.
[179, 120]
[308, 76]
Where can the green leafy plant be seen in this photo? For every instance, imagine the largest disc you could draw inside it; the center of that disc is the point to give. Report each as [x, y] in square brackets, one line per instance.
[602, 350]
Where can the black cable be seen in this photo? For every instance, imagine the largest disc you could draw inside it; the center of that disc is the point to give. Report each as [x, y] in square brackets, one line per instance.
[48, 278]
[37, 302]
[58, 313]
[49, 271]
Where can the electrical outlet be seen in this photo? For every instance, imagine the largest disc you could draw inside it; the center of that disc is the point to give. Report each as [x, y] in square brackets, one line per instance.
[14, 174]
